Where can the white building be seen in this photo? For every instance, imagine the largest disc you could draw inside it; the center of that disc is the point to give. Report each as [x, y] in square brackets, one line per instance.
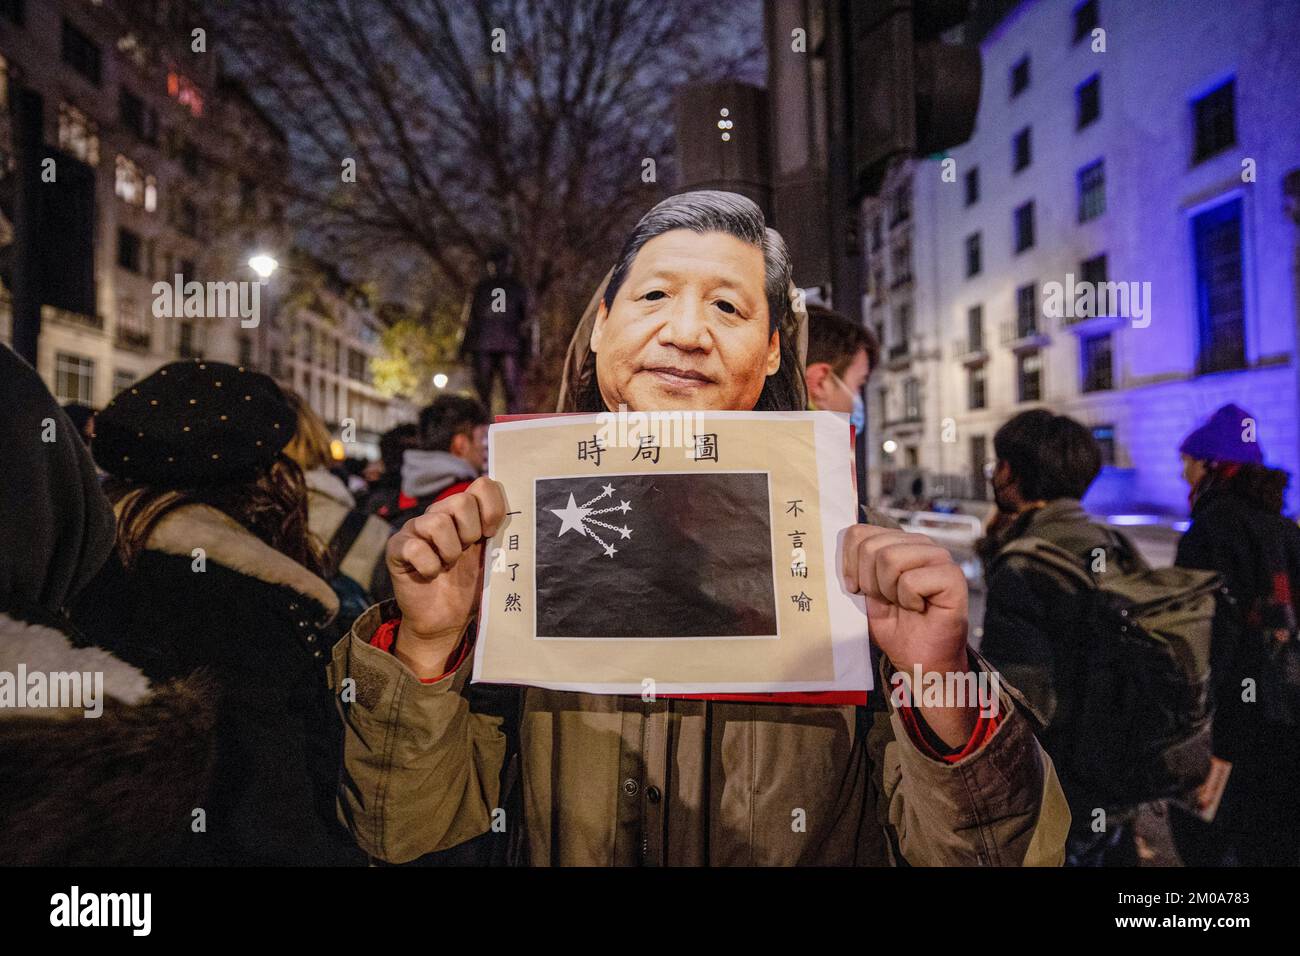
[1142, 143]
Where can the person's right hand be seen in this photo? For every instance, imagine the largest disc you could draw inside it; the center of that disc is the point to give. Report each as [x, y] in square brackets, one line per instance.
[434, 565]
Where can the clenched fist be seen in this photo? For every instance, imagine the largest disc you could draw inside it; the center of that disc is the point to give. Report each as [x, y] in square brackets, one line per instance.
[916, 605]
[434, 562]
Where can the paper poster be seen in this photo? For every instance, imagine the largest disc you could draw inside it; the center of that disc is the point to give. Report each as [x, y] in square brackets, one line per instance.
[682, 553]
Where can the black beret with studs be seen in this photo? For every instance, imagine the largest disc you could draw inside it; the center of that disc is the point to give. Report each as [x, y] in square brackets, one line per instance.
[194, 423]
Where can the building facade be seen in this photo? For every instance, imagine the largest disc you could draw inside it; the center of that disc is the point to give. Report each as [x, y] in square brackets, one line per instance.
[187, 182]
[1113, 243]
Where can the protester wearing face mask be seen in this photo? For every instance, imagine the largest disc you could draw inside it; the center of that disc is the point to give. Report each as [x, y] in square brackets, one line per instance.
[1045, 463]
[841, 357]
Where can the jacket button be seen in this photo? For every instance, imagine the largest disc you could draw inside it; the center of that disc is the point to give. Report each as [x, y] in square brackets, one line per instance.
[292, 606]
[302, 624]
[630, 787]
[311, 638]
[317, 654]
[652, 794]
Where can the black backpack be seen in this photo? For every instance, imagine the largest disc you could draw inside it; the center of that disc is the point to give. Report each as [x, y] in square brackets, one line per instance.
[1138, 708]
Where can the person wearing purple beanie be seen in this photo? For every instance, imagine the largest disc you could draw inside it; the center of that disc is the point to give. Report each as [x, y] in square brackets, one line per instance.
[1238, 530]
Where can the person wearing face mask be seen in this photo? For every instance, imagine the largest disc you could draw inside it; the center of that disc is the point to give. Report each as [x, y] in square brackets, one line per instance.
[1045, 463]
[841, 357]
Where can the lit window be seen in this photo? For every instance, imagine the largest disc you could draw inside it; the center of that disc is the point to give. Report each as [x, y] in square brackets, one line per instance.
[182, 89]
[74, 378]
[78, 135]
[129, 185]
[150, 193]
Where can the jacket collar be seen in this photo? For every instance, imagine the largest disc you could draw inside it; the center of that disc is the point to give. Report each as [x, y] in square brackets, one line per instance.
[228, 543]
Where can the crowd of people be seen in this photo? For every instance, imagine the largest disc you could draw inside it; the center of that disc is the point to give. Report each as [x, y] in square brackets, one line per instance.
[286, 643]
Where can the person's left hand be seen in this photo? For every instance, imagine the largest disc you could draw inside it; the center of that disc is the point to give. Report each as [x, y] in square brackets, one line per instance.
[916, 608]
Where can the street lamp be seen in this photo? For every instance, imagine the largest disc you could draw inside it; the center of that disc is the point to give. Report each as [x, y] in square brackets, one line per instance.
[263, 265]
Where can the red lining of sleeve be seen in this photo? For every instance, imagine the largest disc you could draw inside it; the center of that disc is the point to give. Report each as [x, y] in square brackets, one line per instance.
[385, 638]
[984, 730]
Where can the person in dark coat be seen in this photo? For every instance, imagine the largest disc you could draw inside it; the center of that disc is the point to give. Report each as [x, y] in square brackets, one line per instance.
[112, 778]
[1045, 464]
[215, 569]
[1238, 530]
[497, 331]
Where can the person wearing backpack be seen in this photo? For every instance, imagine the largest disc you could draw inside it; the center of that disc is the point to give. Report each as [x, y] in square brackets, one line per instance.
[1239, 531]
[1113, 655]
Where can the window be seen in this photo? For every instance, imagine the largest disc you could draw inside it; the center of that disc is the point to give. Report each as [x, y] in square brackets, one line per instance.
[1087, 101]
[1025, 227]
[277, 363]
[81, 53]
[247, 195]
[358, 367]
[245, 349]
[78, 135]
[133, 329]
[122, 380]
[129, 185]
[912, 399]
[902, 262]
[128, 250]
[15, 11]
[1020, 76]
[182, 89]
[74, 378]
[1105, 438]
[1094, 270]
[972, 186]
[1021, 151]
[189, 157]
[901, 204]
[975, 328]
[136, 117]
[1029, 375]
[187, 218]
[188, 269]
[876, 234]
[150, 193]
[1215, 120]
[1220, 293]
[1086, 19]
[188, 345]
[1098, 366]
[976, 390]
[973, 257]
[1026, 311]
[1092, 190]
[902, 329]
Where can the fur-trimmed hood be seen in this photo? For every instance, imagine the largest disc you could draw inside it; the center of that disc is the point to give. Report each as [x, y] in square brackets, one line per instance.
[117, 789]
[228, 543]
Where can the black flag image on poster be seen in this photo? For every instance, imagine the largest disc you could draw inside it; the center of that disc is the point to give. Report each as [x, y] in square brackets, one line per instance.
[655, 555]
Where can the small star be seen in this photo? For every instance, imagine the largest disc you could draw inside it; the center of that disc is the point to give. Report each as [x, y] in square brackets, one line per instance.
[610, 550]
[571, 516]
[607, 490]
[625, 506]
[625, 531]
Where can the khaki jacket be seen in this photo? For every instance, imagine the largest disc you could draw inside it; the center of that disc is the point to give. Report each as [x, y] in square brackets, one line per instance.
[620, 781]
